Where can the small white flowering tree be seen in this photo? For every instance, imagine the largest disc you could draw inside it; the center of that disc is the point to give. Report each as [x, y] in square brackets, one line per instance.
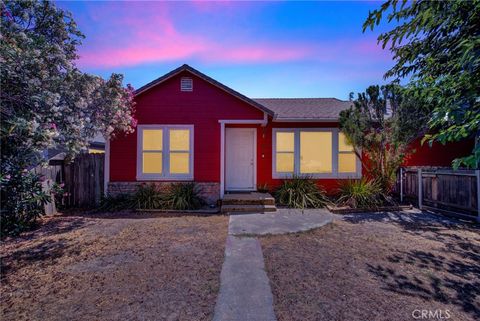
[46, 102]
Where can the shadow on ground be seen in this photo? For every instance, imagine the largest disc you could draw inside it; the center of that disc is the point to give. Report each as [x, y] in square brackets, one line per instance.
[26, 249]
[449, 273]
[130, 214]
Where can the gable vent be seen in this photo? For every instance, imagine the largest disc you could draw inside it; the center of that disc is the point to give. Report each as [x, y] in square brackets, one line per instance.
[186, 84]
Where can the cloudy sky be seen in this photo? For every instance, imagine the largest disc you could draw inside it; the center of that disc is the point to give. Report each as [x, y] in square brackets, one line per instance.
[261, 49]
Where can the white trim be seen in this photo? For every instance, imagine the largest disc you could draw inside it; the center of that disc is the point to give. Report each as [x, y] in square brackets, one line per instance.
[265, 120]
[254, 187]
[106, 167]
[222, 159]
[165, 175]
[334, 174]
[222, 123]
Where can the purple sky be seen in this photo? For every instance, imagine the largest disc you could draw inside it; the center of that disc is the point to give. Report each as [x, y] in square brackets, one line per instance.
[261, 49]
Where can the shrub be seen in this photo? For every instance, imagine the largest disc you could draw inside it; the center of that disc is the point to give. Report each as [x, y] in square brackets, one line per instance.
[22, 201]
[361, 193]
[182, 196]
[116, 203]
[148, 197]
[301, 192]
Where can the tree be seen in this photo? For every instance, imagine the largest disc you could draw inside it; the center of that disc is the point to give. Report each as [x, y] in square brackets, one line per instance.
[46, 101]
[381, 125]
[437, 44]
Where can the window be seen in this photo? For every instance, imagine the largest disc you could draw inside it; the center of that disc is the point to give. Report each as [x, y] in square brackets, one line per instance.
[186, 84]
[179, 151]
[347, 160]
[165, 152]
[314, 152]
[285, 152]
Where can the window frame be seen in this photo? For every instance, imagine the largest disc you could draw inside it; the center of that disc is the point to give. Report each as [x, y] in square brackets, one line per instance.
[165, 175]
[296, 165]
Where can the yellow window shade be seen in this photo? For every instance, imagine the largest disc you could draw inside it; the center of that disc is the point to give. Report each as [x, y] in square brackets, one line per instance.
[315, 152]
[343, 145]
[284, 162]
[179, 163]
[285, 142]
[152, 139]
[347, 163]
[179, 139]
[152, 163]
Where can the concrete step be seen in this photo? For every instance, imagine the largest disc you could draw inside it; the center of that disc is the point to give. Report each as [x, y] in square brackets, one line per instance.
[242, 208]
[248, 202]
[248, 199]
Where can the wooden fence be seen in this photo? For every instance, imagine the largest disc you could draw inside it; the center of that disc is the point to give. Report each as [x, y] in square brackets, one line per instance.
[446, 190]
[83, 179]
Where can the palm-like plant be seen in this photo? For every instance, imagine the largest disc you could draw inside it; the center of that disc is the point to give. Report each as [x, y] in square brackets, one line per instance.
[183, 196]
[361, 193]
[301, 192]
[148, 197]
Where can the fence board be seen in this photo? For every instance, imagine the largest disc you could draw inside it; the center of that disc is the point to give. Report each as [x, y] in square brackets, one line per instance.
[443, 189]
[83, 179]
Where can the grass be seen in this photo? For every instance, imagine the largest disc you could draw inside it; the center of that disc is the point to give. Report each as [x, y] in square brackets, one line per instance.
[81, 268]
[365, 267]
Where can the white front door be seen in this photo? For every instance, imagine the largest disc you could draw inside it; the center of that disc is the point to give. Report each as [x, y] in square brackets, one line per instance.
[240, 159]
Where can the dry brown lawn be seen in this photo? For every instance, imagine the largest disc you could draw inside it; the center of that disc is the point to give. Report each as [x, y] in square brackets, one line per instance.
[111, 268]
[377, 267]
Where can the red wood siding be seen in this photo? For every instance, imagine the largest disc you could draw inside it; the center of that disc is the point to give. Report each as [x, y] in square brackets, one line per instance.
[166, 104]
[438, 154]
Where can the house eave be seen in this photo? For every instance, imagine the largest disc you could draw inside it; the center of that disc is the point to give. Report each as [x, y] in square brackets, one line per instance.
[305, 120]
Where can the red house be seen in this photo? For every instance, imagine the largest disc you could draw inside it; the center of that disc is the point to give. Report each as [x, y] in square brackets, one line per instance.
[193, 128]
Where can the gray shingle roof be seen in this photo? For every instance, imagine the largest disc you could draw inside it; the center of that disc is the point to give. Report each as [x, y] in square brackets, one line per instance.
[305, 109]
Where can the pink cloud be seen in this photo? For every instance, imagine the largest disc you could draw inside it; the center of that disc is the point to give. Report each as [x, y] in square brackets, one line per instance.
[156, 39]
[138, 34]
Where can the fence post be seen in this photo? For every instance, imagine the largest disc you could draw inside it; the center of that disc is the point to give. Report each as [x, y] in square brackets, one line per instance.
[401, 185]
[478, 194]
[420, 196]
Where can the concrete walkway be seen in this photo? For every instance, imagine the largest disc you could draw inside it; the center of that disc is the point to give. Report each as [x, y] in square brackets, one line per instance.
[282, 222]
[245, 293]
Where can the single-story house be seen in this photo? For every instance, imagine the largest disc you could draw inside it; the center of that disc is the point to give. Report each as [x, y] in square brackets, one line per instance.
[193, 128]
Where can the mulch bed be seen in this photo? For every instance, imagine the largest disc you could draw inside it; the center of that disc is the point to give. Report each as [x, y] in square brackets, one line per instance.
[125, 267]
[376, 267]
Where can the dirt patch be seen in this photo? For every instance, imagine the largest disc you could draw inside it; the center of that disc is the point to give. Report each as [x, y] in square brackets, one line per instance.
[376, 267]
[81, 268]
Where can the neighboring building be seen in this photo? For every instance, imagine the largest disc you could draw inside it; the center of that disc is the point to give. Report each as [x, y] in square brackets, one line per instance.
[97, 145]
[193, 128]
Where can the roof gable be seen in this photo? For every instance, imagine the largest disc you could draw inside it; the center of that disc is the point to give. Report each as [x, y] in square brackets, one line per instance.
[208, 79]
